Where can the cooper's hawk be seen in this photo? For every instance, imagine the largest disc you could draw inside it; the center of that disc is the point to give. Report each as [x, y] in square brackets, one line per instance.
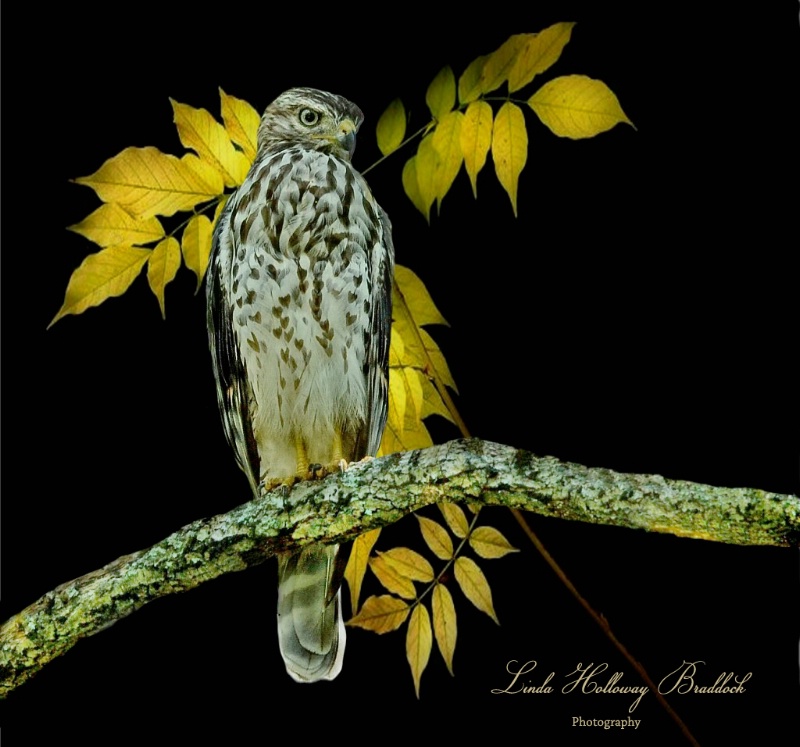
[299, 317]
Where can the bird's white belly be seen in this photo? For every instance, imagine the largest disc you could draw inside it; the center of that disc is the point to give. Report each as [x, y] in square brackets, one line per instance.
[301, 335]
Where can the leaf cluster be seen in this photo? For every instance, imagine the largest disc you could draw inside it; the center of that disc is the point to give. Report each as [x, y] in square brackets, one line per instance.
[400, 568]
[465, 128]
[140, 187]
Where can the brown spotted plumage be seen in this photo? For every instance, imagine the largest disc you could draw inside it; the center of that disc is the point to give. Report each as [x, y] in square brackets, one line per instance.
[299, 316]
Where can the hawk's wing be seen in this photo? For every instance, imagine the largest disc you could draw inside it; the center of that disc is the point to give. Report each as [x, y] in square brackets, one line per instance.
[378, 336]
[234, 393]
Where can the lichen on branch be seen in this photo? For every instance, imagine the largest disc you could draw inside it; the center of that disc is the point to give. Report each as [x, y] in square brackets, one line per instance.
[374, 494]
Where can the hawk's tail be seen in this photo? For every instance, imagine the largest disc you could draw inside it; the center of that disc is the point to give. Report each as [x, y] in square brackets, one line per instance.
[310, 626]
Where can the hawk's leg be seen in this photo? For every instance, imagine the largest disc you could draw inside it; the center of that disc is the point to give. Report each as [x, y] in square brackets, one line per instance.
[338, 463]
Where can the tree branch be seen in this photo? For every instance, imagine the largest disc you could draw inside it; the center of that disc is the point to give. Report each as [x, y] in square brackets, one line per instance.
[378, 493]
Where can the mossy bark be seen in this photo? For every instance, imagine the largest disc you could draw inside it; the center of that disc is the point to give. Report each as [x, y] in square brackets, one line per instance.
[377, 493]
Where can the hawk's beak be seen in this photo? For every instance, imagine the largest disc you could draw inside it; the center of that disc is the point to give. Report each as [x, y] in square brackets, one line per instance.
[346, 135]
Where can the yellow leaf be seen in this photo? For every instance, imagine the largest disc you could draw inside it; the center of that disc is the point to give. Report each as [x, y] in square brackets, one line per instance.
[110, 225]
[444, 623]
[103, 275]
[396, 351]
[575, 106]
[426, 163]
[441, 369]
[218, 211]
[409, 349]
[411, 186]
[241, 121]
[469, 84]
[432, 402]
[409, 563]
[397, 398]
[476, 139]
[446, 140]
[147, 182]
[162, 265]
[456, 519]
[416, 297]
[538, 53]
[391, 579]
[196, 246]
[381, 614]
[490, 543]
[404, 438]
[474, 585]
[414, 395]
[509, 148]
[441, 94]
[357, 564]
[436, 537]
[500, 62]
[202, 133]
[391, 127]
[419, 641]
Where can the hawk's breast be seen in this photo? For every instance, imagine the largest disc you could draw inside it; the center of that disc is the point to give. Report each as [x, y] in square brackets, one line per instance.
[302, 237]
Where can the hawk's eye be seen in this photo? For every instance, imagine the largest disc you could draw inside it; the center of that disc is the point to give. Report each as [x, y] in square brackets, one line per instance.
[309, 117]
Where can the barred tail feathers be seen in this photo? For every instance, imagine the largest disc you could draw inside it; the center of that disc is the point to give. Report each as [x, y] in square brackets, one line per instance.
[310, 625]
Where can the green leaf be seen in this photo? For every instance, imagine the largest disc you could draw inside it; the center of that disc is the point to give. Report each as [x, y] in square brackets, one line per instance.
[427, 163]
[446, 141]
[469, 84]
[391, 127]
[411, 186]
[441, 94]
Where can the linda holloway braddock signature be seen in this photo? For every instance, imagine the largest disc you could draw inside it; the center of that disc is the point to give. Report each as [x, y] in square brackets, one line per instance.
[591, 679]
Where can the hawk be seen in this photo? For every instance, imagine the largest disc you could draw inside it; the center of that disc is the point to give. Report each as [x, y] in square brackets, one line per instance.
[299, 316]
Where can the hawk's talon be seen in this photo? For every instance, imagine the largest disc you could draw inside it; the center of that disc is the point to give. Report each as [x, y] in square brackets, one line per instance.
[284, 483]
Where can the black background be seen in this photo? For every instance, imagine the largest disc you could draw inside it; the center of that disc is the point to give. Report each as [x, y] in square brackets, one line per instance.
[649, 303]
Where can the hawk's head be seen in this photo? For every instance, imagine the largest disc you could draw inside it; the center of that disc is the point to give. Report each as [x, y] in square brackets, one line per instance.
[312, 118]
